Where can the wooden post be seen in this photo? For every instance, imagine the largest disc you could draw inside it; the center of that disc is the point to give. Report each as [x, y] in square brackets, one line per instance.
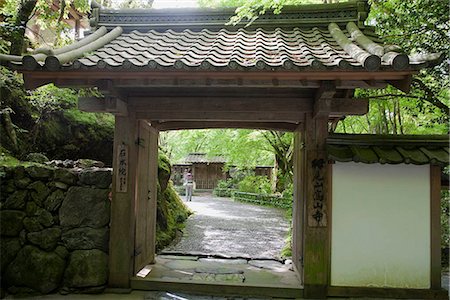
[435, 218]
[315, 197]
[121, 246]
[298, 205]
[147, 176]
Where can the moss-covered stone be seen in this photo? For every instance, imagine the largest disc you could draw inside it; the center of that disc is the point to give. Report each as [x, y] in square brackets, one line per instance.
[36, 269]
[65, 176]
[86, 238]
[85, 207]
[171, 212]
[9, 248]
[32, 224]
[31, 208]
[16, 201]
[44, 217]
[39, 172]
[11, 222]
[53, 202]
[86, 268]
[46, 239]
[62, 252]
[99, 178]
[22, 183]
[164, 170]
[38, 192]
[37, 158]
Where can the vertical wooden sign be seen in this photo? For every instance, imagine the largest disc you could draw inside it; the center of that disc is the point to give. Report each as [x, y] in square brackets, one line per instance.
[122, 169]
[317, 216]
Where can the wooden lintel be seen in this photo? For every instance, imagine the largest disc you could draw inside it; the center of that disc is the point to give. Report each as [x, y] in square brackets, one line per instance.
[179, 125]
[223, 116]
[219, 104]
[108, 104]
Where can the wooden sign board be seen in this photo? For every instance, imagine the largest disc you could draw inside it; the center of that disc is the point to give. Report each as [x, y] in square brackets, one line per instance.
[122, 169]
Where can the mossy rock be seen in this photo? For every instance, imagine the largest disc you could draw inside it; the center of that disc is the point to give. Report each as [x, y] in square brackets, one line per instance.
[46, 239]
[86, 268]
[36, 269]
[9, 248]
[39, 172]
[164, 171]
[37, 158]
[84, 206]
[38, 192]
[16, 201]
[11, 222]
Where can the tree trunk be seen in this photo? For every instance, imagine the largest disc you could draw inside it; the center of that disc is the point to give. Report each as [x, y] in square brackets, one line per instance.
[23, 16]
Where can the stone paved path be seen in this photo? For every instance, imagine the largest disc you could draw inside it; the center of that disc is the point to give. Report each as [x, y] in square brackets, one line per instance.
[221, 226]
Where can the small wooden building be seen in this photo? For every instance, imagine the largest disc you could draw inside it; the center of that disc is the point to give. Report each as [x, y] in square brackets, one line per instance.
[207, 171]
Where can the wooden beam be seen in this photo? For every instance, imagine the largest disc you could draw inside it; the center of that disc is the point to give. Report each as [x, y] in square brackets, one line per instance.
[403, 85]
[219, 104]
[249, 116]
[107, 104]
[91, 104]
[396, 293]
[340, 107]
[180, 125]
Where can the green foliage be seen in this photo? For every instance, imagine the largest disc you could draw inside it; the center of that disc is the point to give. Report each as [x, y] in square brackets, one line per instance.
[255, 184]
[242, 148]
[250, 9]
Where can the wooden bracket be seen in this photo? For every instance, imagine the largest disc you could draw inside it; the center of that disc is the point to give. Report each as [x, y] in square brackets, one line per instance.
[109, 104]
[323, 98]
[403, 85]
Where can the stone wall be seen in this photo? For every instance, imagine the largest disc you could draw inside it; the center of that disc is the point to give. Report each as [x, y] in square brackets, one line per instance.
[54, 229]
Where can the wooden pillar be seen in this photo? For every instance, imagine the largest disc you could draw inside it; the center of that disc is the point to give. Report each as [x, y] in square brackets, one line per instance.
[316, 257]
[298, 205]
[146, 197]
[435, 218]
[121, 246]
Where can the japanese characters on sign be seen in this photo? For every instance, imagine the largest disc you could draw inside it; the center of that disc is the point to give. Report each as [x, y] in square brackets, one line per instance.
[122, 169]
[317, 216]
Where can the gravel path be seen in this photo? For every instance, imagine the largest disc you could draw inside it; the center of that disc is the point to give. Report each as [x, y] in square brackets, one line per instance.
[221, 226]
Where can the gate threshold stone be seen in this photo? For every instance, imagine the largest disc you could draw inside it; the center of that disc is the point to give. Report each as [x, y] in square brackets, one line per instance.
[221, 276]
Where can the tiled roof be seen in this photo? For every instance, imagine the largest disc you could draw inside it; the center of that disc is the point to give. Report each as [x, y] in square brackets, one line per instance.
[384, 149]
[319, 37]
[203, 158]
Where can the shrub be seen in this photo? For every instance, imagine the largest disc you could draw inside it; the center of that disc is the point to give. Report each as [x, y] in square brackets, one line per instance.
[255, 184]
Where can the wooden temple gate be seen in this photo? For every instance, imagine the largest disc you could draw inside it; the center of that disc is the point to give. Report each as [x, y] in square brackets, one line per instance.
[170, 70]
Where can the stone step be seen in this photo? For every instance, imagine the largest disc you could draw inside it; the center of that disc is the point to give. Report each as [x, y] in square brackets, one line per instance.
[215, 288]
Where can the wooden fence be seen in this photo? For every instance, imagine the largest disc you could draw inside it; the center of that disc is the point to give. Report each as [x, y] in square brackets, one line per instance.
[270, 200]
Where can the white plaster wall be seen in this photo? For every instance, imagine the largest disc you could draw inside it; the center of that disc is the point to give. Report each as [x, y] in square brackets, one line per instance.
[380, 225]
